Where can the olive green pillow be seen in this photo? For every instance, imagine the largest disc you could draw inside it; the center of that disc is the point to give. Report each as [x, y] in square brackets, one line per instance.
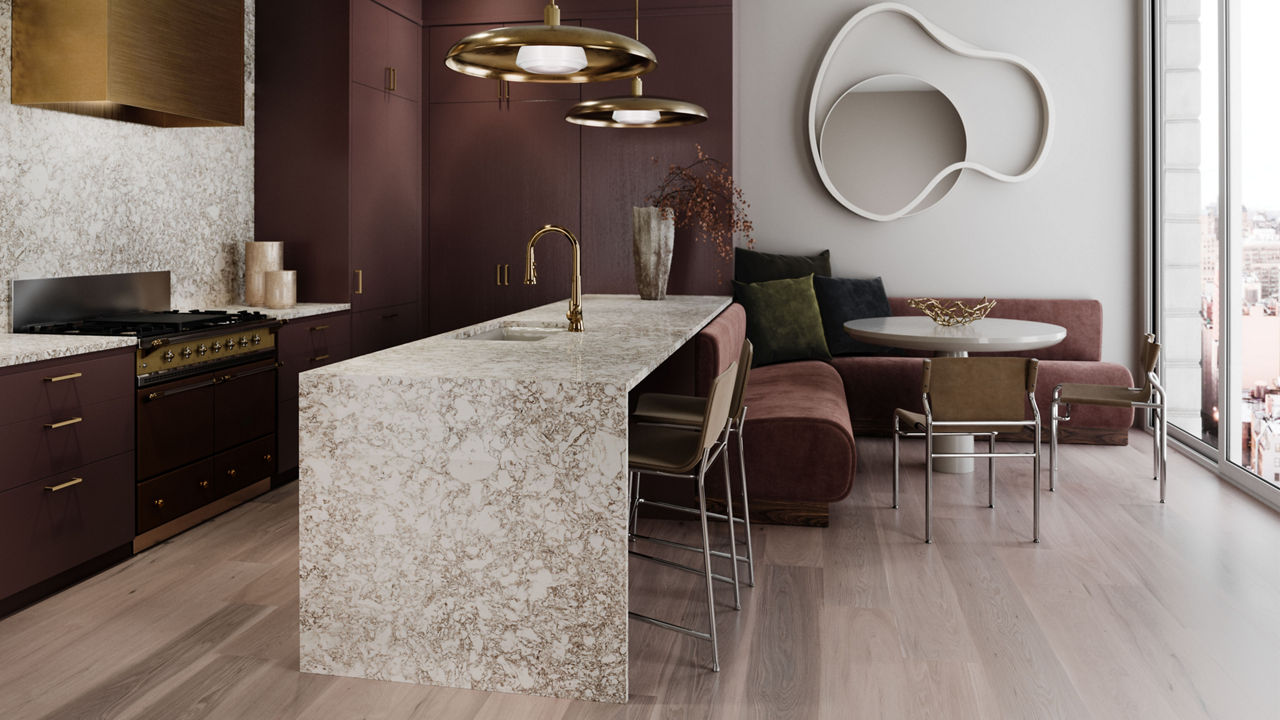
[783, 320]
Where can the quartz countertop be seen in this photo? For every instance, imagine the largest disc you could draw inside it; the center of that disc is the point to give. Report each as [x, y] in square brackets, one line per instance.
[301, 310]
[624, 340]
[19, 348]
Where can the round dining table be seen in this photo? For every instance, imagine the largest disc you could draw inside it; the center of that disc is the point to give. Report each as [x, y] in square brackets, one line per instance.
[989, 335]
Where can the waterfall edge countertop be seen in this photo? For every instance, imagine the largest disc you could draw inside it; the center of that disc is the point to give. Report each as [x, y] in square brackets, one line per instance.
[463, 503]
[22, 348]
[625, 339]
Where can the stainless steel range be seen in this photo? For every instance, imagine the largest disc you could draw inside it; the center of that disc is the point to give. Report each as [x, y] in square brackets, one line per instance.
[205, 415]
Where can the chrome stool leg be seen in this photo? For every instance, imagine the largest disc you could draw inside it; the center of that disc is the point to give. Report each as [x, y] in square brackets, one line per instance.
[706, 559]
[728, 511]
[746, 508]
[991, 471]
[897, 446]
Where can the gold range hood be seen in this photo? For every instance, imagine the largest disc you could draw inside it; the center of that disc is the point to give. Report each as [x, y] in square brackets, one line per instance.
[167, 63]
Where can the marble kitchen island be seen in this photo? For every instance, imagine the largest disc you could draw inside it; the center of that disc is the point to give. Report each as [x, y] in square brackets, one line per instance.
[463, 502]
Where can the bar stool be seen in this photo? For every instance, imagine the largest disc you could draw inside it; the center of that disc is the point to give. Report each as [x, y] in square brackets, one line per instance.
[674, 452]
[690, 411]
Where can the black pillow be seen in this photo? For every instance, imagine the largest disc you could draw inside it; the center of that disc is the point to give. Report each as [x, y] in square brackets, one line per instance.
[843, 299]
[750, 266]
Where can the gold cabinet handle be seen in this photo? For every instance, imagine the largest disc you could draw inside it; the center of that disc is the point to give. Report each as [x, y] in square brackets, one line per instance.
[497, 279]
[319, 328]
[266, 458]
[231, 472]
[391, 72]
[318, 358]
[159, 503]
[204, 484]
[60, 378]
[64, 423]
[359, 282]
[506, 275]
[70, 483]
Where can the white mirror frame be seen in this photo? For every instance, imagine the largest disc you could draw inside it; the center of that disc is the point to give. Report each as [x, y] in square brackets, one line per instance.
[959, 47]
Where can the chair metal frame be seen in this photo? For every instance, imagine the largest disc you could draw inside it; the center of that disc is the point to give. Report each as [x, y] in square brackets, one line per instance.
[1155, 405]
[956, 428]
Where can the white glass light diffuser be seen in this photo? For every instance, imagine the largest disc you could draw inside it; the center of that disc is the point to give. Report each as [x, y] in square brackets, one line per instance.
[551, 59]
[636, 117]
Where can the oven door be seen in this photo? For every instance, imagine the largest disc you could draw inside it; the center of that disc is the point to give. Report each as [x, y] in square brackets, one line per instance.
[191, 419]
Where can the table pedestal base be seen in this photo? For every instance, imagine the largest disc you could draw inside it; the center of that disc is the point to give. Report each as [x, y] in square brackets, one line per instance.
[953, 444]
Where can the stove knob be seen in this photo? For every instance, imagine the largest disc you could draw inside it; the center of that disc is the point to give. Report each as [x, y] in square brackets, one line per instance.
[186, 352]
[231, 344]
[202, 350]
[168, 356]
[244, 341]
[256, 339]
[216, 346]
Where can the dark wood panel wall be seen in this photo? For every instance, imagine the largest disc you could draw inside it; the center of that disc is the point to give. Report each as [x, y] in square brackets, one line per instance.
[496, 172]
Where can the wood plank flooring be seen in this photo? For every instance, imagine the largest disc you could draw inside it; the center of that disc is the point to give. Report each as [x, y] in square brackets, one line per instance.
[1126, 609]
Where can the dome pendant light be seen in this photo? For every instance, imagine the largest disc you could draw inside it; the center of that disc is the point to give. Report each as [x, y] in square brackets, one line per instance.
[550, 53]
[636, 110]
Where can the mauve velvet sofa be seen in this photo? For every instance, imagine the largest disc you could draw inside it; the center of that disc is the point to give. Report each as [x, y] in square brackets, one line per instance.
[802, 416]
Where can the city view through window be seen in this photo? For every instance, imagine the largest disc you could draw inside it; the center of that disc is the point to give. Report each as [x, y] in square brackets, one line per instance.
[1251, 289]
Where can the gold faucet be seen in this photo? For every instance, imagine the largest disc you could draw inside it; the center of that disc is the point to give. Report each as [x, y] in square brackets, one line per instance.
[575, 282]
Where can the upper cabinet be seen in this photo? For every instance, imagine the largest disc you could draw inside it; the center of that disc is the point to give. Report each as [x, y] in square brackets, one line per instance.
[386, 50]
[178, 63]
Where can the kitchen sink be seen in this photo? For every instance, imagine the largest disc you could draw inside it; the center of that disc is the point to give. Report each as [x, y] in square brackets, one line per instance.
[516, 333]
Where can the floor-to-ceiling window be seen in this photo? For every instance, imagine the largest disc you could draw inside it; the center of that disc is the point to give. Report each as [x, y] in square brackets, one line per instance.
[1216, 113]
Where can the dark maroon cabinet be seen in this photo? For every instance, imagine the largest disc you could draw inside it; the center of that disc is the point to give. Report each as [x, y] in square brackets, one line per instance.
[66, 494]
[304, 344]
[347, 197]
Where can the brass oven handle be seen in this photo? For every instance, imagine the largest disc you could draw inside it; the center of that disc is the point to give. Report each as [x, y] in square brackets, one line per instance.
[319, 328]
[359, 282]
[64, 423]
[60, 378]
[55, 488]
[318, 358]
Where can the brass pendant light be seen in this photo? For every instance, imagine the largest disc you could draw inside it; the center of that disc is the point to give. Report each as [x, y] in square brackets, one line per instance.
[636, 110]
[550, 53]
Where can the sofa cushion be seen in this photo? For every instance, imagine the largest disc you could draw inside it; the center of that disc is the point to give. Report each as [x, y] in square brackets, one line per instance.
[783, 321]
[1084, 417]
[797, 440]
[843, 299]
[750, 266]
[1081, 318]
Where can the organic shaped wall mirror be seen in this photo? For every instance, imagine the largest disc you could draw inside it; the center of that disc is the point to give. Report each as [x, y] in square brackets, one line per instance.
[905, 129]
[894, 145]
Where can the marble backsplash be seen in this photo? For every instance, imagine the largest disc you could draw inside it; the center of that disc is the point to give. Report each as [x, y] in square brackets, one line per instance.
[84, 196]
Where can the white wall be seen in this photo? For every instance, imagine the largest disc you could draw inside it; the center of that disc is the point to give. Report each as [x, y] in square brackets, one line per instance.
[1072, 231]
[86, 196]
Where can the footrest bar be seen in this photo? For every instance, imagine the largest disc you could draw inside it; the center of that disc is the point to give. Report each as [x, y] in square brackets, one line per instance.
[682, 546]
[669, 626]
[692, 511]
[678, 566]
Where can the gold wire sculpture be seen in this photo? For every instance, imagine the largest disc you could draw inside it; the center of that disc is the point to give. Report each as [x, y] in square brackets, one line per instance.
[949, 314]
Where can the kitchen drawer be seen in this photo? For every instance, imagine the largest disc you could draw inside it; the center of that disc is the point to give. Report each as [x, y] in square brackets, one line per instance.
[33, 448]
[374, 330]
[175, 494]
[244, 406]
[63, 387]
[44, 532]
[313, 335]
[243, 466]
[291, 365]
[288, 436]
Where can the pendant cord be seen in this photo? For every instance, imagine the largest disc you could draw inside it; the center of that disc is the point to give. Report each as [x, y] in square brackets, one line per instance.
[637, 20]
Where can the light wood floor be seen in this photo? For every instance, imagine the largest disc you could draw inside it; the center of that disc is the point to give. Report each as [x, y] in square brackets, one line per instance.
[1126, 609]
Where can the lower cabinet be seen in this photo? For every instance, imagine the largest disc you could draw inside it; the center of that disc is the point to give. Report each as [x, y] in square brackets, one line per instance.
[175, 494]
[67, 492]
[304, 344]
[374, 330]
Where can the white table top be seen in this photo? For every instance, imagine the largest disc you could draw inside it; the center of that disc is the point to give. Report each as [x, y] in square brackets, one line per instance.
[986, 335]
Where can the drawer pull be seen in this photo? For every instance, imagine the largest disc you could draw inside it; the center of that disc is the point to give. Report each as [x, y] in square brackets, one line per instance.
[159, 503]
[64, 423]
[204, 484]
[231, 472]
[60, 378]
[266, 458]
[318, 358]
[390, 316]
[70, 483]
[319, 328]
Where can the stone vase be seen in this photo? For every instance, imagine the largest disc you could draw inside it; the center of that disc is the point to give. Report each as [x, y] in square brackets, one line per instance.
[260, 258]
[653, 235]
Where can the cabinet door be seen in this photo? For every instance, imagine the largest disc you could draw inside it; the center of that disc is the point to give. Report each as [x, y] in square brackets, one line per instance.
[375, 330]
[386, 50]
[386, 199]
[495, 179]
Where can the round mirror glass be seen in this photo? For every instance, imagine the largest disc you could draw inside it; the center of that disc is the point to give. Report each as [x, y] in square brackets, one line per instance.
[886, 138]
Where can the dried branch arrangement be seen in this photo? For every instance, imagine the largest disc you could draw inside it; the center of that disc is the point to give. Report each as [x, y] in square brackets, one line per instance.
[949, 314]
[703, 195]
